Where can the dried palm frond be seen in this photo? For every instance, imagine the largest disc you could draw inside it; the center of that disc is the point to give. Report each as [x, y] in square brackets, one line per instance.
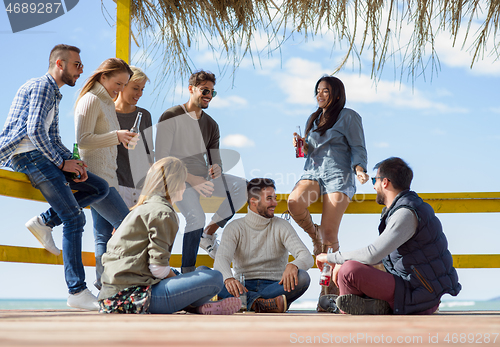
[168, 29]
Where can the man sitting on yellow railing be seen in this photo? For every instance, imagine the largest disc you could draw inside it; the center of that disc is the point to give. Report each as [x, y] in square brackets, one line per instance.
[30, 143]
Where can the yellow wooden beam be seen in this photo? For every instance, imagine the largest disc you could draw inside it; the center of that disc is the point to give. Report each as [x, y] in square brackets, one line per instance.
[123, 29]
[14, 254]
[17, 185]
[476, 261]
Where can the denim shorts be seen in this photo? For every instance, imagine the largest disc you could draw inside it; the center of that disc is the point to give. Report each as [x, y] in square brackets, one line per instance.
[336, 182]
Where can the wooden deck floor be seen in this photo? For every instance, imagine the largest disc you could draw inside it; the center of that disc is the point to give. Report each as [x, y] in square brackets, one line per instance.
[81, 328]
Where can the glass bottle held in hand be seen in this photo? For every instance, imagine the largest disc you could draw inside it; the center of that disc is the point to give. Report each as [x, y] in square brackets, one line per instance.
[135, 129]
[75, 156]
[299, 149]
[326, 273]
[243, 297]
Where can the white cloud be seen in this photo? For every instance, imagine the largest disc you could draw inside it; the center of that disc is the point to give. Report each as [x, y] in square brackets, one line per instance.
[382, 145]
[232, 101]
[238, 141]
[461, 55]
[300, 76]
[362, 89]
[495, 109]
[299, 79]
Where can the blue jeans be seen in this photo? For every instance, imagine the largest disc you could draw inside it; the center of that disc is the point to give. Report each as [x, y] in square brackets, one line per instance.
[106, 214]
[193, 289]
[267, 289]
[66, 207]
[190, 207]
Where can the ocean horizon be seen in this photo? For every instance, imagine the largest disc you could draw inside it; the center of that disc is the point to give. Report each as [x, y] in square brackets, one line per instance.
[299, 305]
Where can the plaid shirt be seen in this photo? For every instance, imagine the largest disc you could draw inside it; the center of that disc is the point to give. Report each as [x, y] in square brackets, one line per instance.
[27, 116]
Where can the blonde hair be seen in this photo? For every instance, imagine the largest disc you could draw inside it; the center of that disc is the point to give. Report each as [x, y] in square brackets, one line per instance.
[138, 75]
[164, 178]
[109, 67]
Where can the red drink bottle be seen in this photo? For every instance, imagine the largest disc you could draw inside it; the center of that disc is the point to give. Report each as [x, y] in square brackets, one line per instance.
[326, 273]
[326, 276]
[299, 150]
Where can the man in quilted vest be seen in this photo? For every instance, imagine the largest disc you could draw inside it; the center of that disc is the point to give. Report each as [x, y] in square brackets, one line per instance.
[412, 247]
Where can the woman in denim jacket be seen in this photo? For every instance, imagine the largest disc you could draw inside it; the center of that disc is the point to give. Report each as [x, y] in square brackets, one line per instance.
[335, 155]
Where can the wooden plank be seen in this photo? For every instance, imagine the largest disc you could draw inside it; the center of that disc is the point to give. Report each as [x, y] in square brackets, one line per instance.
[79, 328]
[476, 261]
[123, 29]
[17, 185]
[14, 254]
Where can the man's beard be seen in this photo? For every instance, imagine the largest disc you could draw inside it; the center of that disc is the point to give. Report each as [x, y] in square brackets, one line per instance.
[199, 105]
[264, 212]
[68, 79]
[380, 198]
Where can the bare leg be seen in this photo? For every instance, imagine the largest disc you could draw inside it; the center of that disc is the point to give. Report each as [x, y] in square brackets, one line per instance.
[304, 194]
[334, 206]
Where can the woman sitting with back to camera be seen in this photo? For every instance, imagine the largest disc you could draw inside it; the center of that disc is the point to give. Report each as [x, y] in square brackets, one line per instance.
[137, 277]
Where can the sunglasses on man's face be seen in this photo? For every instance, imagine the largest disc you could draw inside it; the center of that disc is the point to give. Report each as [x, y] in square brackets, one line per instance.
[77, 64]
[205, 91]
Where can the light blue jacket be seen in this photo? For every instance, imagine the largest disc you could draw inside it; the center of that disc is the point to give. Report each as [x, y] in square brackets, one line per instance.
[336, 154]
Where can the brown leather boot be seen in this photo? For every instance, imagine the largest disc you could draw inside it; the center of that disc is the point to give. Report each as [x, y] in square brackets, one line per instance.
[274, 305]
[304, 220]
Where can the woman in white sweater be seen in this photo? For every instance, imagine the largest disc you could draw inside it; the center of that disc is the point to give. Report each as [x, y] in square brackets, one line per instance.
[98, 134]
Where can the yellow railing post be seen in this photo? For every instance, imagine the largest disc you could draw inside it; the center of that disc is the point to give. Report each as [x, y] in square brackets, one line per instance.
[123, 30]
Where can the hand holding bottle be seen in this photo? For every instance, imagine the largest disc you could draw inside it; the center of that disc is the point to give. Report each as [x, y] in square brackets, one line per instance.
[133, 142]
[298, 143]
[77, 167]
[125, 136]
[215, 171]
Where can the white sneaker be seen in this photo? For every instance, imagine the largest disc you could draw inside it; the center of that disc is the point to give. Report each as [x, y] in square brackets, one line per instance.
[84, 300]
[210, 244]
[43, 233]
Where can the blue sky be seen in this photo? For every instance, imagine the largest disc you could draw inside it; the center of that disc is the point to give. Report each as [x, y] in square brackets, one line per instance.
[446, 127]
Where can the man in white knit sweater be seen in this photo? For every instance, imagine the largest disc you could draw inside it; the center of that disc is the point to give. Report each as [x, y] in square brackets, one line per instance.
[258, 245]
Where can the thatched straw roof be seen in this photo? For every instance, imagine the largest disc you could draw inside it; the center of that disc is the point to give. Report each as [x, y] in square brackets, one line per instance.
[168, 29]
